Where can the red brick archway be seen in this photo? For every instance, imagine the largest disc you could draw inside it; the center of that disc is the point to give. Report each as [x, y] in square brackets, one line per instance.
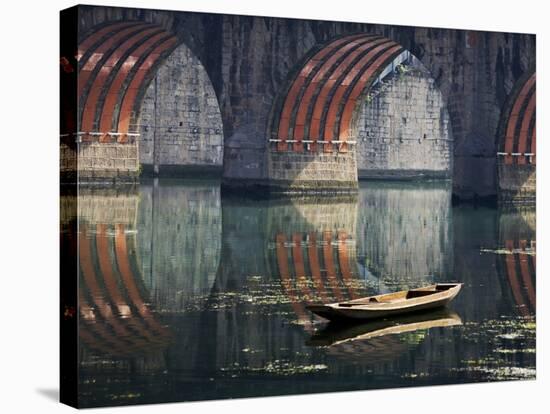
[115, 62]
[318, 106]
[517, 133]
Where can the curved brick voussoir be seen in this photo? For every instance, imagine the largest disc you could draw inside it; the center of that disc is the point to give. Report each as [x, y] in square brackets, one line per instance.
[344, 100]
[313, 150]
[321, 97]
[113, 61]
[518, 130]
[517, 144]
[303, 77]
[127, 78]
[108, 72]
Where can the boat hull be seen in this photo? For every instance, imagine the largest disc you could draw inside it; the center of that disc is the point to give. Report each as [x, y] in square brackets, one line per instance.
[336, 311]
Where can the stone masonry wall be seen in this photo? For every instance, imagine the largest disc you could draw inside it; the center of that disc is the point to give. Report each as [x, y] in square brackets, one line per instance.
[249, 60]
[403, 129]
[517, 183]
[180, 111]
[100, 162]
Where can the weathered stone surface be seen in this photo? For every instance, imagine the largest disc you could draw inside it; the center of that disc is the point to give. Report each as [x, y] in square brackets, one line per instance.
[100, 162]
[180, 113]
[250, 60]
[315, 170]
[517, 183]
[403, 130]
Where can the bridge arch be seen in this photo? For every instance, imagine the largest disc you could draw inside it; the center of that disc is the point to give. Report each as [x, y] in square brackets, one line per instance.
[311, 130]
[517, 142]
[115, 64]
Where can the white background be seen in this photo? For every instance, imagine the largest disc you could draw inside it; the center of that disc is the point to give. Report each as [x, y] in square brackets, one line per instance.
[29, 206]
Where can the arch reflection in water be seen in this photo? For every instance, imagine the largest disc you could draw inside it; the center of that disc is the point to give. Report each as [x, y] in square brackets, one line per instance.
[313, 252]
[404, 234]
[116, 319]
[179, 237]
[518, 257]
[231, 284]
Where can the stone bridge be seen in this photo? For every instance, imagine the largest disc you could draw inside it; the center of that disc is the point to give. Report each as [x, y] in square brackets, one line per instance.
[290, 105]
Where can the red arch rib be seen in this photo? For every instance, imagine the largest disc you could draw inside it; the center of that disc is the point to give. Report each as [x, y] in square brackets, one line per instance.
[365, 79]
[329, 265]
[509, 137]
[320, 101]
[290, 99]
[90, 279]
[108, 110]
[526, 274]
[319, 76]
[299, 267]
[107, 271]
[128, 279]
[513, 279]
[99, 337]
[88, 67]
[90, 101]
[361, 67]
[282, 262]
[128, 102]
[109, 278]
[524, 131]
[315, 268]
[534, 145]
[92, 340]
[343, 260]
[97, 35]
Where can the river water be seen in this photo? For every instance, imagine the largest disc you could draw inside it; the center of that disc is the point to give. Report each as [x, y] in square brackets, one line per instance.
[189, 295]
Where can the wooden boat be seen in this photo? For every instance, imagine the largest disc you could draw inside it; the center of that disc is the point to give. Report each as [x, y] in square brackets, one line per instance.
[390, 304]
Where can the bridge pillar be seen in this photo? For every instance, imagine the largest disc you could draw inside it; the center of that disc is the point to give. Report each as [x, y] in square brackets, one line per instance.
[290, 171]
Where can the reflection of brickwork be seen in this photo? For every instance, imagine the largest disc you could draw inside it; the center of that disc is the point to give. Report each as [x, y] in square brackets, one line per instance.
[315, 214]
[180, 110]
[404, 130]
[405, 232]
[108, 207]
[179, 239]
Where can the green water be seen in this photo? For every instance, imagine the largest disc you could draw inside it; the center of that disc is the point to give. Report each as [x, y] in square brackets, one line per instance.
[187, 295]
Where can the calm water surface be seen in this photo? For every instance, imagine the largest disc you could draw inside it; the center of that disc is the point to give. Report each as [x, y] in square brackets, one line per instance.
[186, 295]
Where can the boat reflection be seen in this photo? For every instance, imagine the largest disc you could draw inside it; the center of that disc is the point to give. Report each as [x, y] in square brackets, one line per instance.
[336, 334]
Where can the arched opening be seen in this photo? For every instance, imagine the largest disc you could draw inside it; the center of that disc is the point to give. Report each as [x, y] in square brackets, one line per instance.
[402, 127]
[517, 142]
[181, 126]
[317, 122]
[116, 65]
